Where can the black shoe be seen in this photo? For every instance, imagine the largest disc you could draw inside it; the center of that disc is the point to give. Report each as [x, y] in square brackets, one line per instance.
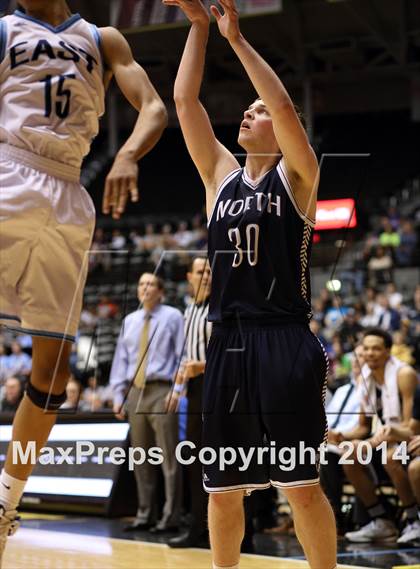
[189, 539]
[163, 528]
[138, 526]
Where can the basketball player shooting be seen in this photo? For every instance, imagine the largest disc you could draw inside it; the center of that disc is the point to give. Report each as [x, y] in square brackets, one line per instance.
[54, 70]
[265, 371]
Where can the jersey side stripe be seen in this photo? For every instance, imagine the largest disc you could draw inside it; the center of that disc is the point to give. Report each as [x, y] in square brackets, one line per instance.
[3, 39]
[97, 37]
[224, 183]
[289, 191]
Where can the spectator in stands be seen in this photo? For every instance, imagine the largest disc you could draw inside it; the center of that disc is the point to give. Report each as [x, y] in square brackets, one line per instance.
[394, 297]
[183, 237]
[12, 395]
[388, 389]
[96, 397]
[340, 364]
[350, 330]
[343, 416]
[389, 237]
[146, 360]
[137, 241]
[411, 534]
[107, 332]
[335, 314]
[404, 253]
[73, 392]
[99, 258]
[387, 318]
[150, 239]
[401, 350]
[4, 363]
[394, 217]
[380, 267]
[88, 318]
[19, 363]
[118, 240]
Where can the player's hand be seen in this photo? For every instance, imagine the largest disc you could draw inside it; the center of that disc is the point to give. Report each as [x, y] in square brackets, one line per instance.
[191, 369]
[193, 9]
[228, 22]
[385, 433]
[172, 402]
[414, 446]
[119, 184]
[119, 411]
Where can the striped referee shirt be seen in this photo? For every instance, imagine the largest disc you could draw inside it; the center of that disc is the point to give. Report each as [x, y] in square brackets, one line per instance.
[197, 331]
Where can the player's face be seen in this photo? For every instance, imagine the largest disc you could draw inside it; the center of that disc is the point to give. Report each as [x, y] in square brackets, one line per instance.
[375, 352]
[257, 127]
[148, 290]
[200, 277]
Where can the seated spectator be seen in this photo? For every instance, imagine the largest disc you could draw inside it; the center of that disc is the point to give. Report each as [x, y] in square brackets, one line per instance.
[343, 416]
[73, 392]
[183, 237]
[99, 257]
[387, 318]
[401, 350]
[411, 533]
[394, 297]
[380, 267]
[388, 389]
[404, 253]
[340, 364]
[350, 330]
[19, 363]
[389, 237]
[12, 395]
[335, 314]
[118, 240]
[394, 217]
[96, 397]
[4, 363]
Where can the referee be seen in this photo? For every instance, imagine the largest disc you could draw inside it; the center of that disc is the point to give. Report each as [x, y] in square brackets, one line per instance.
[197, 335]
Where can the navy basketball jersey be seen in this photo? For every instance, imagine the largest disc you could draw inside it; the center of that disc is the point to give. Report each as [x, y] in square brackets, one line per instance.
[259, 250]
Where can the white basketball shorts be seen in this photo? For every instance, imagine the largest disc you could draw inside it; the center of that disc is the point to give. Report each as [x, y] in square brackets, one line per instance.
[46, 224]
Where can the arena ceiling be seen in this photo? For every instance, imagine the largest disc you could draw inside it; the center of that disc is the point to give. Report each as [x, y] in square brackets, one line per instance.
[343, 55]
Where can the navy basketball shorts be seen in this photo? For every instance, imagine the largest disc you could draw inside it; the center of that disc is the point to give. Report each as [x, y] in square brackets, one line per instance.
[263, 408]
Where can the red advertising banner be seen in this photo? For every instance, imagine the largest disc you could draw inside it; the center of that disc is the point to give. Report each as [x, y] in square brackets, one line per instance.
[335, 214]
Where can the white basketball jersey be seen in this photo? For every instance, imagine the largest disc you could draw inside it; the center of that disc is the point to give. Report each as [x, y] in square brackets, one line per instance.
[51, 86]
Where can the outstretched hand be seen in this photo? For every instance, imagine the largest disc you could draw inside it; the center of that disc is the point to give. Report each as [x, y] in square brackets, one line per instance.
[228, 22]
[120, 183]
[193, 9]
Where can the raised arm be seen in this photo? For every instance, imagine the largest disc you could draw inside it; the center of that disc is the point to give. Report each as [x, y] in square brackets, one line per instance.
[138, 90]
[212, 160]
[300, 160]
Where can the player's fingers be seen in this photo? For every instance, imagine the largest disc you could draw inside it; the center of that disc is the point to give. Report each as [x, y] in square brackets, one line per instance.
[106, 205]
[134, 191]
[116, 192]
[215, 12]
[122, 198]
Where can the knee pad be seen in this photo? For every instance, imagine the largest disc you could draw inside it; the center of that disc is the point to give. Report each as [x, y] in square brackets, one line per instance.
[47, 401]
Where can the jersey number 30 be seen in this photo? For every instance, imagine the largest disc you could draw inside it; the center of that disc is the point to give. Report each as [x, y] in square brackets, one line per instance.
[252, 233]
[62, 95]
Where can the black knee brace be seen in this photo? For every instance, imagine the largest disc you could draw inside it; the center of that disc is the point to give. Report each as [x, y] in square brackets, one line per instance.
[47, 401]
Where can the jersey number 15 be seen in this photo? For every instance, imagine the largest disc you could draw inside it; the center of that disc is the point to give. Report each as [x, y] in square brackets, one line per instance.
[62, 95]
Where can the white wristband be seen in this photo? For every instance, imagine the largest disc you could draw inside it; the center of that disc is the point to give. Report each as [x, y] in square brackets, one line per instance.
[178, 388]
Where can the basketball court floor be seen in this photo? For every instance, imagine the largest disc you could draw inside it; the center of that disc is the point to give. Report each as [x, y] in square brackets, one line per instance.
[76, 542]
